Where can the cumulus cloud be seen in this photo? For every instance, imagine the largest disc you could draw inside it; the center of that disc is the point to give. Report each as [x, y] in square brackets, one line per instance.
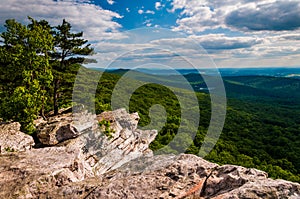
[210, 43]
[222, 42]
[237, 47]
[95, 22]
[276, 16]
[291, 36]
[226, 51]
[245, 15]
[196, 16]
[158, 5]
[158, 48]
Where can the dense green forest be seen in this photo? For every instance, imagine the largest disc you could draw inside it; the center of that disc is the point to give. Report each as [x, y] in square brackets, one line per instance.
[258, 132]
[39, 64]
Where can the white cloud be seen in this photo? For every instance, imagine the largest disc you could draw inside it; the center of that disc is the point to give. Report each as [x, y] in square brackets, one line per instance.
[127, 9]
[140, 11]
[218, 45]
[246, 49]
[258, 15]
[148, 21]
[111, 2]
[276, 16]
[158, 5]
[223, 42]
[238, 51]
[198, 16]
[95, 22]
[150, 12]
[258, 32]
[226, 51]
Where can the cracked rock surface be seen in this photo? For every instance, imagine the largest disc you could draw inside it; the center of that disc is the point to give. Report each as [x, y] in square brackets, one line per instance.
[85, 163]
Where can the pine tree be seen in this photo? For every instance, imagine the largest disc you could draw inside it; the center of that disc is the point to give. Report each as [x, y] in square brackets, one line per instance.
[70, 49]
[25, 71]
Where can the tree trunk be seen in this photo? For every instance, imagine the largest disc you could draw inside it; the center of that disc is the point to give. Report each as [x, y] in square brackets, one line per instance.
[42, 112]
[55, 96]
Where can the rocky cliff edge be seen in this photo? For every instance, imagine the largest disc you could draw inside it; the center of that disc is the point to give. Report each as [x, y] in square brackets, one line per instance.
[83, 155]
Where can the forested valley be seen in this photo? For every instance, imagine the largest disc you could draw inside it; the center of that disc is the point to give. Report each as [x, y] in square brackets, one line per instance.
[39, 64]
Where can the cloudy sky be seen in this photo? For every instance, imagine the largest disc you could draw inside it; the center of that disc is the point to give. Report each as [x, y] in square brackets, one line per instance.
[127, 33]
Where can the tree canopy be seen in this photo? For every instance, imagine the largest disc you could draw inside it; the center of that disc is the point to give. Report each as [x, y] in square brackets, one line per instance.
[25, 71]
[37, 60]
[68, 53]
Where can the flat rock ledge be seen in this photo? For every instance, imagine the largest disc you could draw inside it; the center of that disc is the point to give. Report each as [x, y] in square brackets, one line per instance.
[80, 161]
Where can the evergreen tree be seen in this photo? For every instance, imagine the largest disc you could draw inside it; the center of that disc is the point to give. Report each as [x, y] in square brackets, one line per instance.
[70, 49]
[25, 71]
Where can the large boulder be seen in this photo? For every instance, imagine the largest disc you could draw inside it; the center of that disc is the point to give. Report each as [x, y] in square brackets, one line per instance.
[64, 127]
[12, 139]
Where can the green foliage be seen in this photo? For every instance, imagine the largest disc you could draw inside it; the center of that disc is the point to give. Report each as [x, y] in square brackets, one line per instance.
[256, 134]
[8, 149]
[25, 71]
[38, 64]
[65, 59]
[105, 126]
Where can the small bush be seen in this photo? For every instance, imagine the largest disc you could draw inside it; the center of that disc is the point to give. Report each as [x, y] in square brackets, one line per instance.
[105, 125]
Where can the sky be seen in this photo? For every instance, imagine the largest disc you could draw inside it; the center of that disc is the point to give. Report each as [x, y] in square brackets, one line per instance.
[176, 33]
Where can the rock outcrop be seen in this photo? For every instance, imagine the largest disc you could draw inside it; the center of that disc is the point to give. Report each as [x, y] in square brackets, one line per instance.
[81, 161]
[79, 150]
[12, 139]
[188, 176]
[65, 126]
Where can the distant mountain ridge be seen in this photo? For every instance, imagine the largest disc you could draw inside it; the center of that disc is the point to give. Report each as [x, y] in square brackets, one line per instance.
[267, 85]
[293, 72]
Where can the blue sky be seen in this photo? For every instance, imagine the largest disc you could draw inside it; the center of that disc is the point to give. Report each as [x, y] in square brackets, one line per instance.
[231, 33]
[137, 13]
